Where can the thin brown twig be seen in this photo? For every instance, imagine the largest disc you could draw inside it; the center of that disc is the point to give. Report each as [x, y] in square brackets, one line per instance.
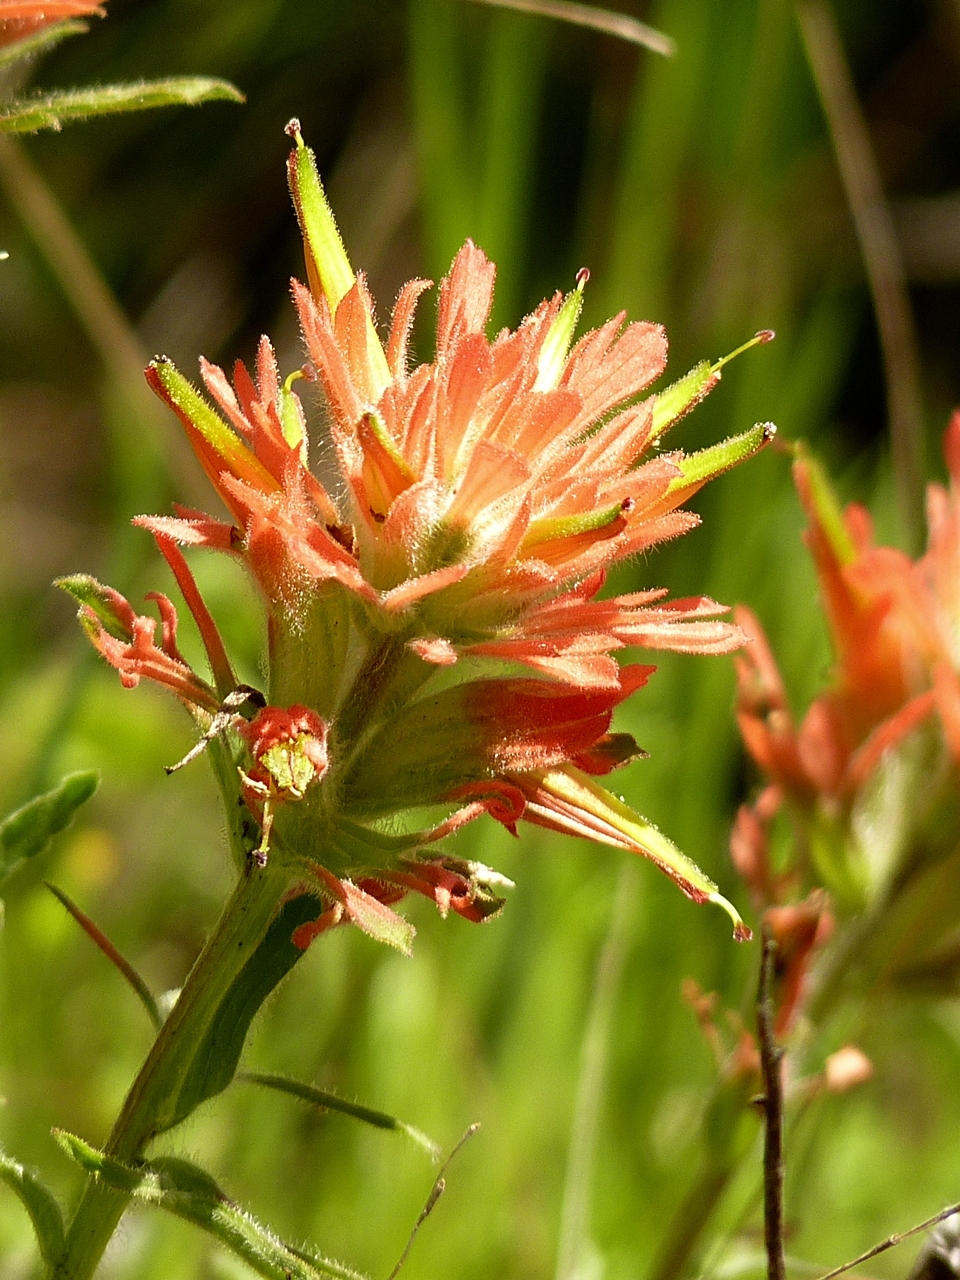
[620, 25]
[436, 1191]
[897, 1238]
[771, 1056]
[881, 254]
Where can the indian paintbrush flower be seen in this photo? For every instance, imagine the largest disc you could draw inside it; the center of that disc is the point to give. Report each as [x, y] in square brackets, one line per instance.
[436, 632]
[865, 774]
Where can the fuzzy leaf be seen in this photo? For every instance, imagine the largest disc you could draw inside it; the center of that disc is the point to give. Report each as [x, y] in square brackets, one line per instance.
[41, 1205]
[328, 267]
[557, 343]
[41, 41]
[218, 1053]
[54, 110]
[189, 1192]
[330, 1102]
[27, 831]
[377, 920]
[675, 401]
[550, 528]
[566, 799]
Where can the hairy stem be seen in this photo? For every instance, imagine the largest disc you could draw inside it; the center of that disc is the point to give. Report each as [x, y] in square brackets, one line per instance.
[150, 1105]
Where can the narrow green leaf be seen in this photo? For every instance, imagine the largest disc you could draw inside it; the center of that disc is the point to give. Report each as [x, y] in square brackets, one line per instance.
[120, 962]
[552, 527]
[376, 919]
[328, 267]
[40, 41]
[215, 1062]
[189, 1192]
[54, 110]
[330, 1102]
[41, 1205]
[592, 810]
[27, 831]
[697, 468]
[676, 401]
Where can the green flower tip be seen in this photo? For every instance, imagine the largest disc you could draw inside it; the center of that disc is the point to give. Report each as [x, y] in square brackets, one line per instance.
[556, 346]
[676, 401]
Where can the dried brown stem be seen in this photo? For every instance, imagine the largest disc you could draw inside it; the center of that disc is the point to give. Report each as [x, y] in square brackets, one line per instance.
[897, 1238]
[881, 254]
[436, 1191]
[771, 1056]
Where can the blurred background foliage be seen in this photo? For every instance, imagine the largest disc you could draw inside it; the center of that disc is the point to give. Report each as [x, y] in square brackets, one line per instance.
[701, 191]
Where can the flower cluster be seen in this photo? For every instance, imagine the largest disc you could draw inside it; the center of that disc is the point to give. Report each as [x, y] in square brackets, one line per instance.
[437, 633]
[866, 780]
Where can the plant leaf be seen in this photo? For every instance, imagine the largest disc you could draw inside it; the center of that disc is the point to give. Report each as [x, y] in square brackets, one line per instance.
[54, 110]
[41, 41]
[28, 830]
[318, 1098]
[189, 1192]
[215, 1062]
[41, 1205]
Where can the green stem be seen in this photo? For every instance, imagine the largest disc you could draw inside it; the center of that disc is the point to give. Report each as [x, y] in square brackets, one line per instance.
[151, 1104]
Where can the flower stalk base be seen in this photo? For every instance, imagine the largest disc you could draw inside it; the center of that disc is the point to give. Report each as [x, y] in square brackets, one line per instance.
[156, 1099]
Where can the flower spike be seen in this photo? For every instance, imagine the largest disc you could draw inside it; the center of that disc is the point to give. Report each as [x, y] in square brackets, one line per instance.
[437, 632]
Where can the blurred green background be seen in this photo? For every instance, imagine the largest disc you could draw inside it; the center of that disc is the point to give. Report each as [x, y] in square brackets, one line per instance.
[702, 192]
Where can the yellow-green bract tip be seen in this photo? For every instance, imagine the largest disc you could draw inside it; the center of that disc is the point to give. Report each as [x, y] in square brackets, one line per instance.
[556, 345]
